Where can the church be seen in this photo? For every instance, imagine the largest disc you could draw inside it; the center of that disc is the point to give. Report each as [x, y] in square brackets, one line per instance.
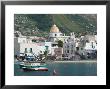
[56, 35]
[68, 42]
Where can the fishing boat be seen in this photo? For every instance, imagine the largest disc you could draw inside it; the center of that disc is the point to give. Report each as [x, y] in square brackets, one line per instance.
[31, 65]
[32, 62]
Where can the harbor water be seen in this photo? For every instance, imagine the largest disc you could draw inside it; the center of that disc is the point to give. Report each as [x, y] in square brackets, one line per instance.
[61, 69]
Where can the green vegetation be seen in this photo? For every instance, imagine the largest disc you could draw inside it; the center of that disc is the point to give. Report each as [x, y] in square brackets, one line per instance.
[40, 24]
[45, 54]
[60, 43]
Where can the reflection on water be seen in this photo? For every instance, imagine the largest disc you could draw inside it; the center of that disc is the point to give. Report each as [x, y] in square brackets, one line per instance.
[61, 69]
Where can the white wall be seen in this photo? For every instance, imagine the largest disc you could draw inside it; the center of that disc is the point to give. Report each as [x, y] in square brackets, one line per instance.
[16, 46]
[35, 48]
[22, 40]
[58, 34]
[89, 46]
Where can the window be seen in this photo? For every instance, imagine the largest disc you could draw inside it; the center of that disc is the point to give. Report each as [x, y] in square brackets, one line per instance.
[26, 50]
[46, 47]
[81, 48]
[54, 45]
[68, 46]
[67, 51]
[30, 49]
[77, 48]
[92, 45]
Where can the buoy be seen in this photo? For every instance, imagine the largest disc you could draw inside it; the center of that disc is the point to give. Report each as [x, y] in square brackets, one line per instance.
[54, 72]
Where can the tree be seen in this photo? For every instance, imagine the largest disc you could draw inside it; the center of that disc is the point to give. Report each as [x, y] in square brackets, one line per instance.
[45, 53]
[60, 43]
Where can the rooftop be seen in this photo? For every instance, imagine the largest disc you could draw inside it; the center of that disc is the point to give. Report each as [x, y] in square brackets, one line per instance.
[54, 29]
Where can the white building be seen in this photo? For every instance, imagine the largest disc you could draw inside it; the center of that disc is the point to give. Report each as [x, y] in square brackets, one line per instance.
[69, 42]
[56, 35]
[90, 50]
[71, 45]
[17, 34]
[92, 45]
[88, 42]
[24, 45]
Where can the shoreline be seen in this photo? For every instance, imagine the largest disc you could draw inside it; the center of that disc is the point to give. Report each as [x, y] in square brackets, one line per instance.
[81, 61]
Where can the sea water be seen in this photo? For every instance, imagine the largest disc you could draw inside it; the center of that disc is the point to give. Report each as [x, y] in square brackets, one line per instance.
[61, 69]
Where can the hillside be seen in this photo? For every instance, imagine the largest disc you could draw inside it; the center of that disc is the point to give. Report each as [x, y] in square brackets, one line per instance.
[40, 24]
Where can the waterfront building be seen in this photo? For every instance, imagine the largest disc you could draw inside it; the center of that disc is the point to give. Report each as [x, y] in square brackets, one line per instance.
[18, 41]
[89, 50]
[92, 45]
[23, 45]
[54, 36]
[69, 47]
[73, 48]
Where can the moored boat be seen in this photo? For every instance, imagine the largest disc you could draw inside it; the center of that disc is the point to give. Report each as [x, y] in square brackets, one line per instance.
[32, 62]
[34, 65]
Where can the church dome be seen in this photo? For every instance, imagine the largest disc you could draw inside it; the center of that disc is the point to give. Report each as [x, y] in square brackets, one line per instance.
[54, 29]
